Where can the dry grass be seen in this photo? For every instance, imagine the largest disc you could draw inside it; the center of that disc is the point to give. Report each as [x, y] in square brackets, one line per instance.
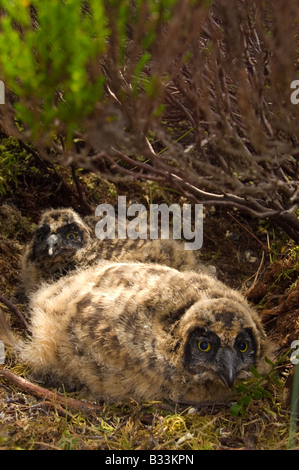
[28, 423]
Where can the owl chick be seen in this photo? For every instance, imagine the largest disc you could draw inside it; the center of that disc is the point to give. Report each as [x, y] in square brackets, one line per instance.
[144, 331]
[64, 242]
[59, 236]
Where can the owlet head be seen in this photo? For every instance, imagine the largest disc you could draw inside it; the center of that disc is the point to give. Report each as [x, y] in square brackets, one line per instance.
[223, 342]
[60, 233]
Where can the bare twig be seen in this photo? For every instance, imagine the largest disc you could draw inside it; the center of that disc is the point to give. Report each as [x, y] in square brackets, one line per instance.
[224, 71]
[14, 310]
[255, 276]
[47, 405]
[82, 199]
[265, 247]
[46, 394]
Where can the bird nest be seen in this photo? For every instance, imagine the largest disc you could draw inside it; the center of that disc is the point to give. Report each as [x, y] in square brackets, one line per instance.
[31, 422]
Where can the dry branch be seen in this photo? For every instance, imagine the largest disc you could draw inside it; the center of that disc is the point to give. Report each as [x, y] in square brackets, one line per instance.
[14, 310]
[44, 394]
[223, 74]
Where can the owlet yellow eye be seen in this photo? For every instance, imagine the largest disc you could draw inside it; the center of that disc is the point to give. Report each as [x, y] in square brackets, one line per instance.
[71, 236]
[204, 346]
[243, 347]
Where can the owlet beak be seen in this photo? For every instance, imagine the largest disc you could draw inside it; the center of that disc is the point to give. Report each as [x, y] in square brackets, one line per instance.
[227, 366]
[52, 242]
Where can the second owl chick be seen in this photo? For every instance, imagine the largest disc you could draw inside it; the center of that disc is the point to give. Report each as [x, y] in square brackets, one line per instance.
[52, 252]
[63, 242]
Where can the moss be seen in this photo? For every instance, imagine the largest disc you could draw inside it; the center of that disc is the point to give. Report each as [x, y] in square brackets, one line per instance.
[27, 423]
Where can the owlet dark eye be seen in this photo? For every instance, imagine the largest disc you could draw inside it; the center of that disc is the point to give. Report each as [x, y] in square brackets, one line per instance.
[204, 346]
[41, 238]
[243, 346]
[71, 236]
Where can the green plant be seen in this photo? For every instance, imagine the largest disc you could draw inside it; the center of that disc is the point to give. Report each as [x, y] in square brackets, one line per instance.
[57, 45]
[254, 388]
[294, 410]
[60, 48]
[13, 162]
[117, 72]
[68, 441]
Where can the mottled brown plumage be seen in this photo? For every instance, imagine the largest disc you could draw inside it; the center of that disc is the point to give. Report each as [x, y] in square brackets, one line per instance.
[144, 331]
[63, 242]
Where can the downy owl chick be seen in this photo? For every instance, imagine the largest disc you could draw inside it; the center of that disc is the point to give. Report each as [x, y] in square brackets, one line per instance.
[63, 242]
[144, 331]
[52, 252]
